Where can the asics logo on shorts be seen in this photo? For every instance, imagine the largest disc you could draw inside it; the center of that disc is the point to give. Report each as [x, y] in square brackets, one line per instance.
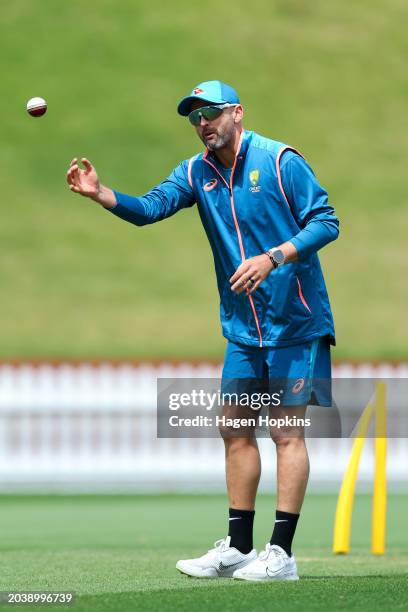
[298, 386]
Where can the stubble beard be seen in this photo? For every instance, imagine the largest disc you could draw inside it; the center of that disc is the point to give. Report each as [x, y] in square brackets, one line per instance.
[220, 143]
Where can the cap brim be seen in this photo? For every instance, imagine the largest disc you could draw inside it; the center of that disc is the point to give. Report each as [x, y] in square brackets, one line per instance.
[184, 106]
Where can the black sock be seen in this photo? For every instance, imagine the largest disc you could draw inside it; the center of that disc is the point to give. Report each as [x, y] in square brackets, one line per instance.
[284, 530]
[241, 524]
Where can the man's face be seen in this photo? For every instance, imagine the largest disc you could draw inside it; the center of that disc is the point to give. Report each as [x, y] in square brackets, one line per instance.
[219, 132]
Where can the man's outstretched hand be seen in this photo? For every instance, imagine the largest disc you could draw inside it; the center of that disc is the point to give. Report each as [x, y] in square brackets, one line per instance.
[86, 183]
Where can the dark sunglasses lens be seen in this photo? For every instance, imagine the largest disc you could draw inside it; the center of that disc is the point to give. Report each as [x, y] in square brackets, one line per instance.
[195, 117]
[211, 112]
[208, 112]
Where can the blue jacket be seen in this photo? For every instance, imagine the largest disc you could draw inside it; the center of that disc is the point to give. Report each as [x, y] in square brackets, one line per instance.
[272, 196]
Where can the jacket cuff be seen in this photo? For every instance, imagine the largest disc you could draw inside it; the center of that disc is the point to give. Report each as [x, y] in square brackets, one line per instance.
[299, 246]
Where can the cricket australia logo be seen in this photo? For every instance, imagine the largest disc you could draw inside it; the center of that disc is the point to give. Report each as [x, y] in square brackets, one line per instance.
[254, 178]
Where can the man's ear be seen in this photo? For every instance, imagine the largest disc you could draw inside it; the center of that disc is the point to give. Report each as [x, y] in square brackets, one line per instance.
[238, 113]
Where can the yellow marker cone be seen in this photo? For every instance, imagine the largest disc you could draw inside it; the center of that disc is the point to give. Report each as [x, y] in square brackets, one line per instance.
[380, 478]
[344, 510]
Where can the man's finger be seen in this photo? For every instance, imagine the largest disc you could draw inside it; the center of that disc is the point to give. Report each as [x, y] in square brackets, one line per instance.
[238, 285]
[236, 275]
[87, 164]
[75, 176]
[73, 168]
[242, 268]
[255, 287]
[241, 283]
[73, 161]
[71, 175]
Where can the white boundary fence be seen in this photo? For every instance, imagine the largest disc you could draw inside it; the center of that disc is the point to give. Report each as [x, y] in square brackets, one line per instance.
[93, 428]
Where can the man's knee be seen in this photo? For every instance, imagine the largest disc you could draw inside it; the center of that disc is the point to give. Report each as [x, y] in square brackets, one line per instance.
[236, 423]
[289, 433]
[237, 445]
[283, 441]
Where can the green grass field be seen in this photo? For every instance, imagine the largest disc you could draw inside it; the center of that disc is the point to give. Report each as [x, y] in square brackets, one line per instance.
[118, 553]
[327, 77]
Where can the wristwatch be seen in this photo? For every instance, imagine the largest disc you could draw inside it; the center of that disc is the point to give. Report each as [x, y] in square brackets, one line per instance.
[276, 256]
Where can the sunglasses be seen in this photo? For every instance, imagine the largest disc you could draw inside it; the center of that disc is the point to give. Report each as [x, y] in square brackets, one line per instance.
[208, 112]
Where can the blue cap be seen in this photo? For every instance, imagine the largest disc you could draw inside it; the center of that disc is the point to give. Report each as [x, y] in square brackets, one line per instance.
[215, 92]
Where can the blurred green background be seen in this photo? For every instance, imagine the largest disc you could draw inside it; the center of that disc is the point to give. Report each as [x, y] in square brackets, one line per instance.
[326, 77]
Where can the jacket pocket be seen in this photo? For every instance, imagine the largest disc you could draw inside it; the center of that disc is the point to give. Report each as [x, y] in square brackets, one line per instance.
[301, 296]
[285, 299]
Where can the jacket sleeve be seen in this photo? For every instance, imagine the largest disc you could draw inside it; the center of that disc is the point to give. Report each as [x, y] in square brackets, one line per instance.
[164, 200]
[309, 202]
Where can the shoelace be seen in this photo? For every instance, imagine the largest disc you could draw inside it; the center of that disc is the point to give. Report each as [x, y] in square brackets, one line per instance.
[219, 545]
[270, 548]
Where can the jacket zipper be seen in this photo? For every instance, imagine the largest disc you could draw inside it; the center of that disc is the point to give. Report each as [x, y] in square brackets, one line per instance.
[240, 243]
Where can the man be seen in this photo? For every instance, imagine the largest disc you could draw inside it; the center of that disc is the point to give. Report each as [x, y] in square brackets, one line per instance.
[265, 216]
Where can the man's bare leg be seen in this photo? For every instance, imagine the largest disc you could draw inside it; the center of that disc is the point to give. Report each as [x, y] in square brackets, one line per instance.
[292, 463]
[243, 470]
[292, 476]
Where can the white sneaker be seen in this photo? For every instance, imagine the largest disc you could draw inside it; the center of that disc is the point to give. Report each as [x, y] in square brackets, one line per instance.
[272, 564]
[219, 562]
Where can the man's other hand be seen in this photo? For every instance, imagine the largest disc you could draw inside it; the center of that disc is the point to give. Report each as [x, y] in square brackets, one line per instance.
[250, 274]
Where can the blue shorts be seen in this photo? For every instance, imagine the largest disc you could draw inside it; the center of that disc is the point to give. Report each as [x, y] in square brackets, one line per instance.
[301, 373]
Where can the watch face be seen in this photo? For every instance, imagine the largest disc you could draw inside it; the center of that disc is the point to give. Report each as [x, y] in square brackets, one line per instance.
[278, 257]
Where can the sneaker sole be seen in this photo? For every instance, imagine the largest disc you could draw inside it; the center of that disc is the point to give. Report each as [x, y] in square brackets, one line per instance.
[268, 578]
[193, 574]
[199, 573]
